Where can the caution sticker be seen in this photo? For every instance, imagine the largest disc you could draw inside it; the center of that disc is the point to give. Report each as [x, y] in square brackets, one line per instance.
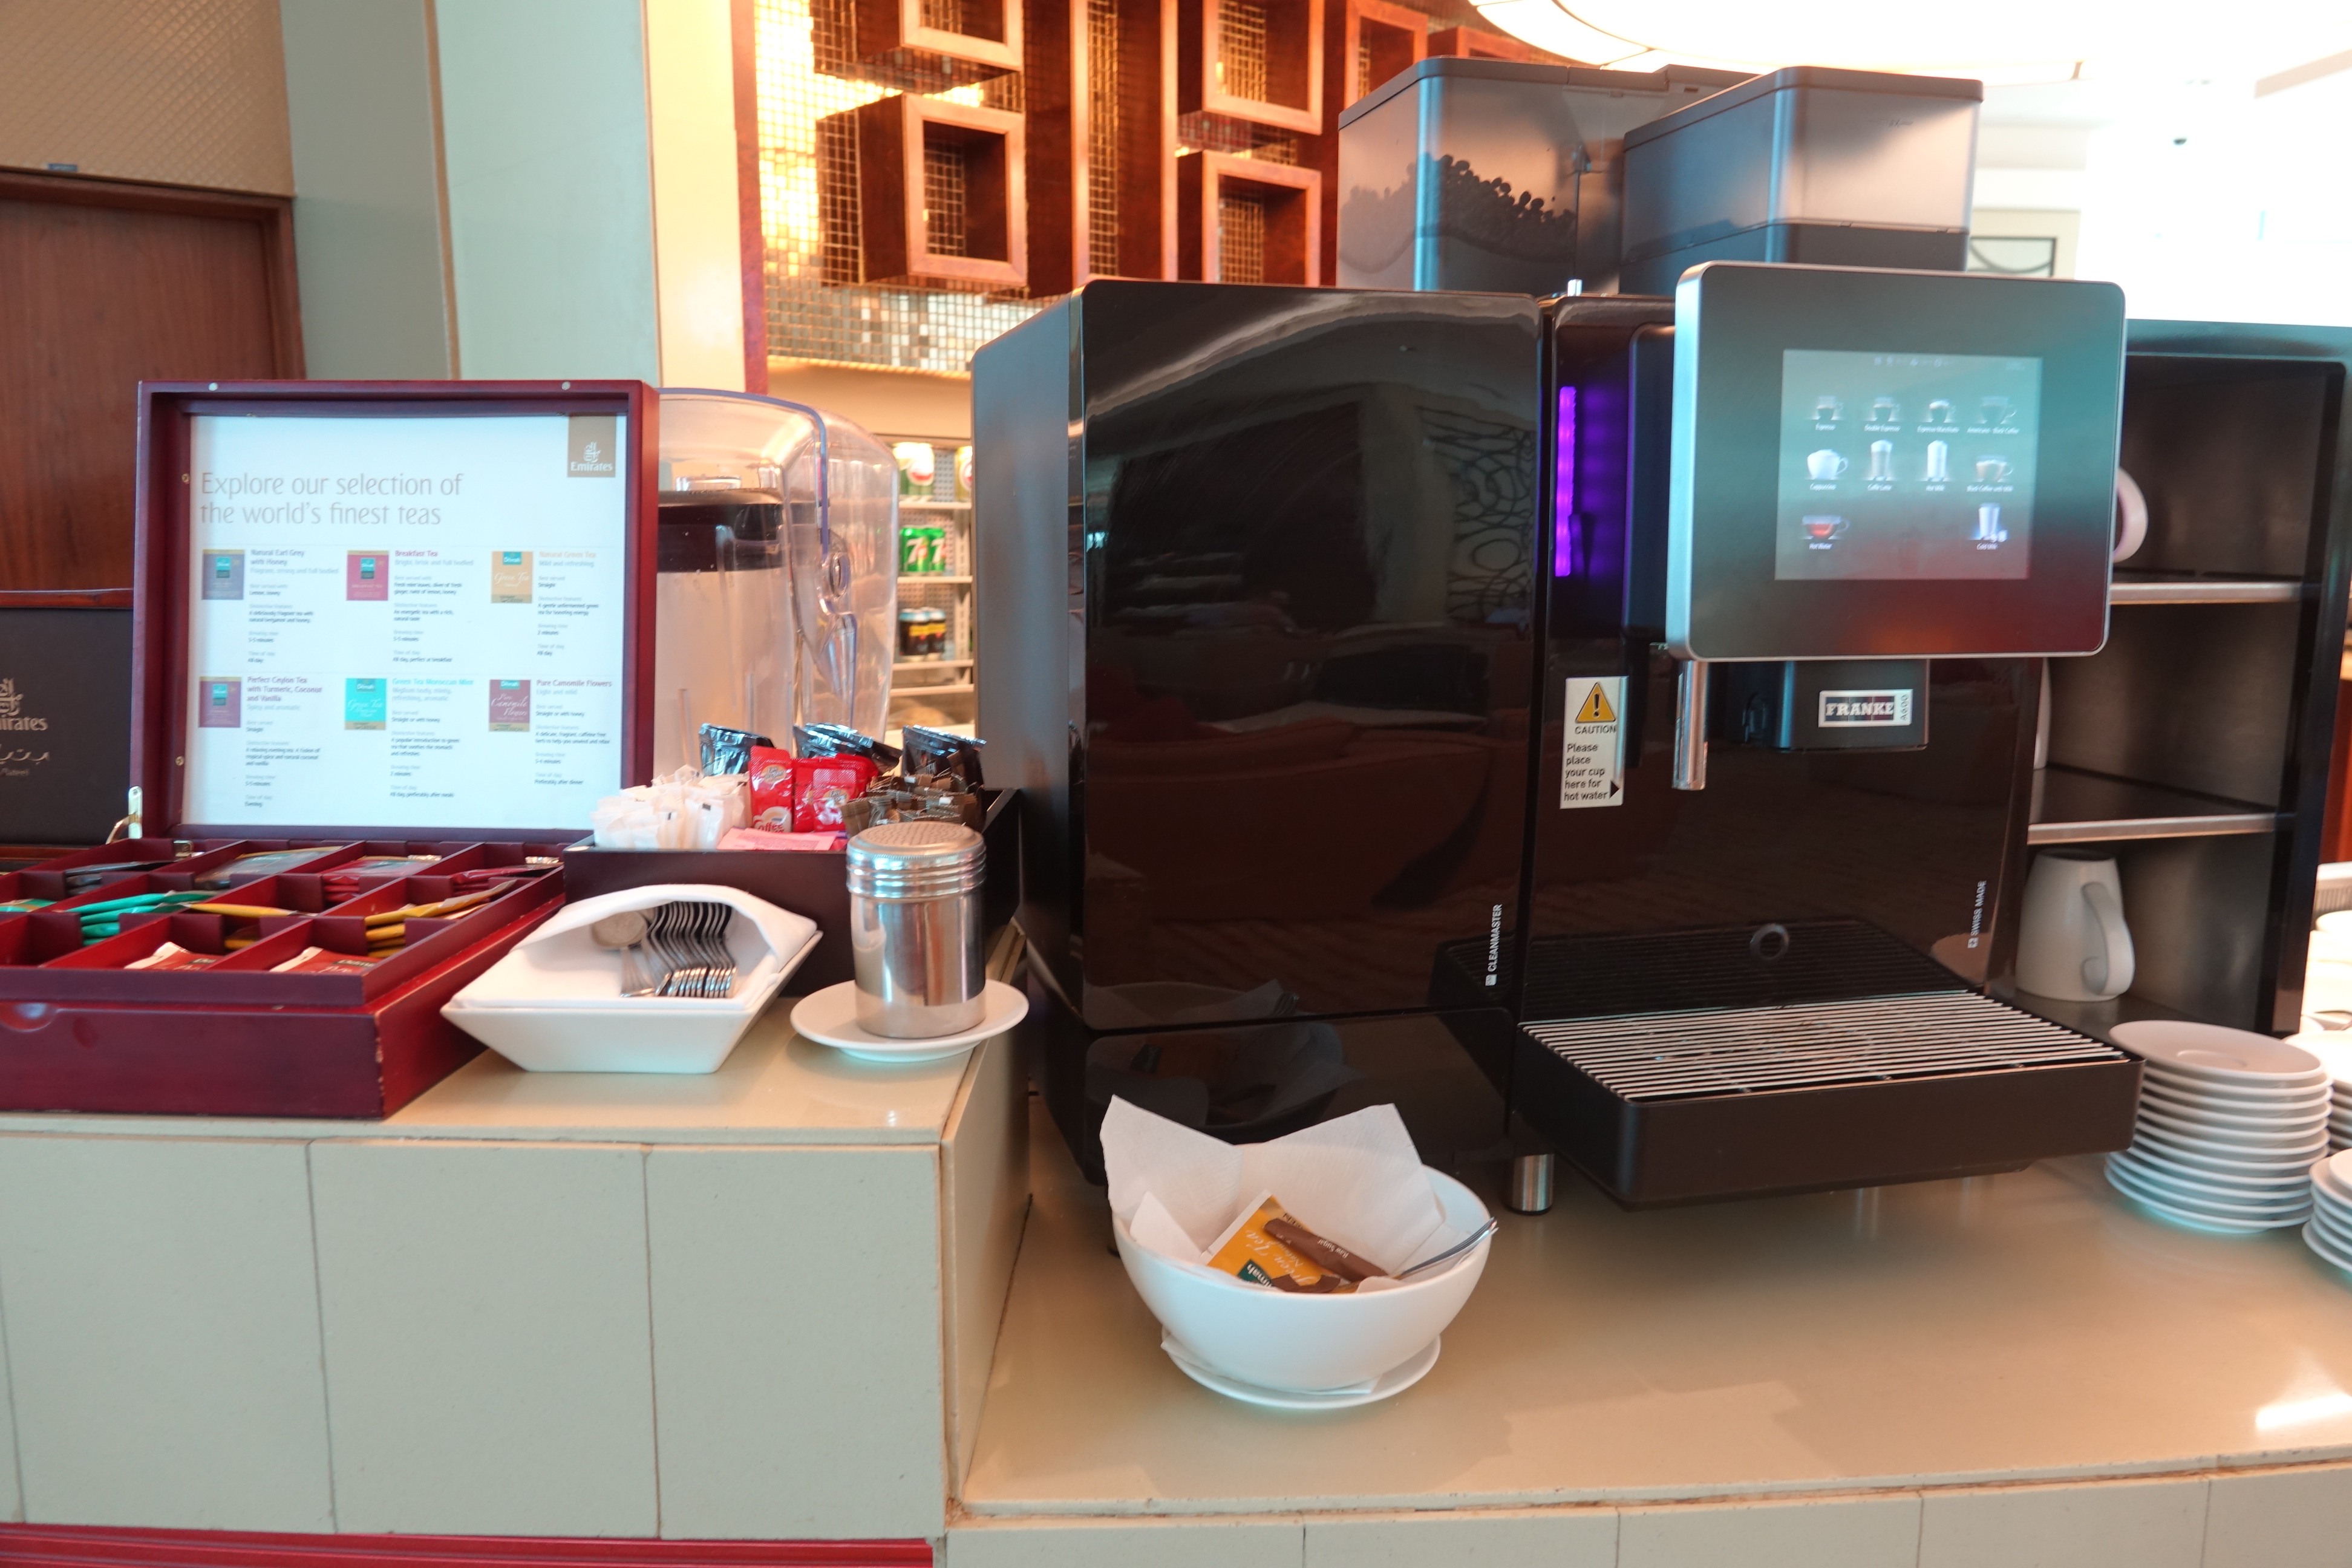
[1593, 743]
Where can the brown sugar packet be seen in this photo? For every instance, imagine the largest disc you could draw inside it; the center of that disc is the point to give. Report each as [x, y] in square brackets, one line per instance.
[1325, 1255]
[1250, 1254]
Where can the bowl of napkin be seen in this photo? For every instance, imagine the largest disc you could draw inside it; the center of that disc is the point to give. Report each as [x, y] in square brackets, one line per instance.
[1179, 1199]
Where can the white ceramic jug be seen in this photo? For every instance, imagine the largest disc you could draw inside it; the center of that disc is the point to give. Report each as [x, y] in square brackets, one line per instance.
[2072, 942]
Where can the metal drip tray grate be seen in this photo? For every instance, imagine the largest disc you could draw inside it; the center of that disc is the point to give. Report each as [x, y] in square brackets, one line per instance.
[1649, 1056]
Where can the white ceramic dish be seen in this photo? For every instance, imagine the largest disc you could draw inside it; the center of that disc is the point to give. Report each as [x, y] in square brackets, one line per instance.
[2190, 1221]
[1388, 1385]
[2194, 1092]
[1308, 1344]
[2164, 1076]
[2259, 1161]
[2334, 1219]
[2231, 1116]
[830, 1018]
[2156, 1168]
[2333, 1229]
[2327, 1251]
[2224, 1055]
[2262, 1217]
[2279, 1135]
[554, 1003]
[2334, 1174]
[2230, 1202]
[2243, 1167]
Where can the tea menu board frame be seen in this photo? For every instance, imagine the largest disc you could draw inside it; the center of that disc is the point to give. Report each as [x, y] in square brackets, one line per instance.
[164, 648]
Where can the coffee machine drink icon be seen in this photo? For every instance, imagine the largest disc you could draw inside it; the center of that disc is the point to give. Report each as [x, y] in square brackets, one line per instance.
[1826, 465]
[1989, 528]
[1828, 410]
[1939, 462]
[1884, 411]
[1939, 411]
[1881, 459]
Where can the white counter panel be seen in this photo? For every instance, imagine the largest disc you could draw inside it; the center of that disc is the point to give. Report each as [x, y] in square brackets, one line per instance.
[798, 1341]
[162, 1332]
[488, 1343]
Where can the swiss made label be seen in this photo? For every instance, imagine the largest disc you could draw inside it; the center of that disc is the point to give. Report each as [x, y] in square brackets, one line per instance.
[1853, 710]
[1593, 743]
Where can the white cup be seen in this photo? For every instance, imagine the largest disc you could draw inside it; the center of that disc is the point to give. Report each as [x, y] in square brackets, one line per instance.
[1825, 464]
[2072, 942]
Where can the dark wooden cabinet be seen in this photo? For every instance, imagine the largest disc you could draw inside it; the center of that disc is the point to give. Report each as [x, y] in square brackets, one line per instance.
[104, 284]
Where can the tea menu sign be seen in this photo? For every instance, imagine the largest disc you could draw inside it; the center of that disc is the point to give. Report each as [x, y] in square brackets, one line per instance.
[420, 618]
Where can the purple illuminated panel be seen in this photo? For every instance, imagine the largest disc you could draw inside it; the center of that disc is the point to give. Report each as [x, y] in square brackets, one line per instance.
[1564, 521]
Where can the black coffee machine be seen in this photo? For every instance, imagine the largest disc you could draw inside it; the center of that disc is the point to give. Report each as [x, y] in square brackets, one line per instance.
[1619, 711]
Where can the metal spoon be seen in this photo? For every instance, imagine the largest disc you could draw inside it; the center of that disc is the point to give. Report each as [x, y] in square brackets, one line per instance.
[1456, 1250]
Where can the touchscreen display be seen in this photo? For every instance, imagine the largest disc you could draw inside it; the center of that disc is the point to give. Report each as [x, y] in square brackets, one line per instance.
[1900, 466]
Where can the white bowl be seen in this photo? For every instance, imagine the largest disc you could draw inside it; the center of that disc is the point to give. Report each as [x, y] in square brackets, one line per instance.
[1306, 1344]
[554, 1004]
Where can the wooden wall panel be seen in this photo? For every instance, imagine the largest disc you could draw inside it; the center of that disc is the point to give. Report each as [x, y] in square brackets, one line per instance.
[1395, 37]
[1477, 44]
[103, 285]
[1294, 214]
[1146, 139]
[1053, 33]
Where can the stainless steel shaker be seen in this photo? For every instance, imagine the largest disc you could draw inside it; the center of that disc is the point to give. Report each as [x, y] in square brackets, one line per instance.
[914, 928]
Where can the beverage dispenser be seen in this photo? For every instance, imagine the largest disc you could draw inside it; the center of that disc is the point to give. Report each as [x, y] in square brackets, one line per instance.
[777, 585]
[1416, 691]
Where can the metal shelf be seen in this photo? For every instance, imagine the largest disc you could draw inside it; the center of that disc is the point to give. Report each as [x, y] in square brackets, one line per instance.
[929, 663]
[2071, 807]
[2203, 591]
[962, 689]
[906, 505]
[950, 580]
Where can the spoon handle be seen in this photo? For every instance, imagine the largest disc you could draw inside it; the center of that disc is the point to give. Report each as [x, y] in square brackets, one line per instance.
[1456, 1250]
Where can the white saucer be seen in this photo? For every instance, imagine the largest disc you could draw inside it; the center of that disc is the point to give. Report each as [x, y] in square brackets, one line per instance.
[2244, 1168]
[2281, 1135]
[830, 1018]
[2234, 1117]
[2205, 1211]
[1388, 1385]
[2140, 1162]
[2329, 1250]
[2218, 1055]
[2234, 1096]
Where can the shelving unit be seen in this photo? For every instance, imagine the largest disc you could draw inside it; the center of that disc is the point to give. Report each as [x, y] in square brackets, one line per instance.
[2196, 745]
[937, 691]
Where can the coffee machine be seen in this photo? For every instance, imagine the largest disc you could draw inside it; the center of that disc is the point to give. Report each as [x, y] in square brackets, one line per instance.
[1477, 702]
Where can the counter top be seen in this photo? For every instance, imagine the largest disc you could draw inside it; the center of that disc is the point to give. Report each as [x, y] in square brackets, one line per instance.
[2032, 1326]
[776, 1087]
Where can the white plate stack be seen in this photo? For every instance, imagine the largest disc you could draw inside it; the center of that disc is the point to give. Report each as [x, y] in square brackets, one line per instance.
[2334, 1049]
[2329, 1233]
[2229, 1125]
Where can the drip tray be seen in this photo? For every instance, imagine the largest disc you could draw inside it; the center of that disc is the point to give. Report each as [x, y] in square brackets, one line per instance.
[1808, 1092]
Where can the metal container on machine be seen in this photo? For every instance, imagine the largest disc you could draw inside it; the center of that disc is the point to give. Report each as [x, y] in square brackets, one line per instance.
[914, 928]
[1807, 164]
[1461, 175]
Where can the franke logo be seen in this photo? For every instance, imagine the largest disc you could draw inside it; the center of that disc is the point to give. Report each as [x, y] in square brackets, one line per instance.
[11, 709]
[1846, 710]
[592, 454]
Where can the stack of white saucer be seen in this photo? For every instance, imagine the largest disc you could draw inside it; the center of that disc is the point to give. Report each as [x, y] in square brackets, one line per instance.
[2229, 1125]
[2329, 1233]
